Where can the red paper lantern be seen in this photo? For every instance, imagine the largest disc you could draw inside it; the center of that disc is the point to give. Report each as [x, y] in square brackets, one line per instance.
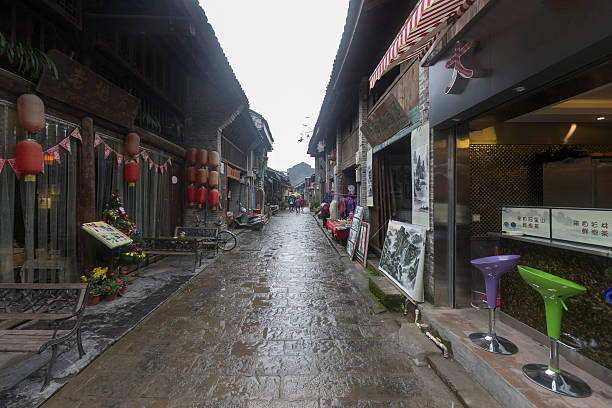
[202, 157]
[191, 194]
[213, 199]
[191, 174]
[191, 155]
[201, 195]
[31, 112]
[130, 173]
[213, 158]
[29, 159]
[132, 143]
[202, 176]
[213, 179]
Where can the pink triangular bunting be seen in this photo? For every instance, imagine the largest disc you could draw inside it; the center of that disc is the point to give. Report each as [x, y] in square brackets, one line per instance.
[54, 152]
[107, 150]
[76, 133]
[97, 140]
[2, 164]
[150, 164]
[13, 164]
[145, 155]
[66, 144]
[119, 159]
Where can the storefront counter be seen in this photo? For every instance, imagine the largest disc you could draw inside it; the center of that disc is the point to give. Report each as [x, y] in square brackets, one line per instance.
[588, 320]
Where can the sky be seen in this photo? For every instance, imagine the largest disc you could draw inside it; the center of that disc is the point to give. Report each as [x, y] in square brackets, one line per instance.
[282, 52]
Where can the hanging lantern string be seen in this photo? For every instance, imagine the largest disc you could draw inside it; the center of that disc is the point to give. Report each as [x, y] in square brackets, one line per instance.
[76, 133]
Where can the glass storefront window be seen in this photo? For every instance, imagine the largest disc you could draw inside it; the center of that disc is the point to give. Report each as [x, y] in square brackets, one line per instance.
[37, 220]
[143, 202]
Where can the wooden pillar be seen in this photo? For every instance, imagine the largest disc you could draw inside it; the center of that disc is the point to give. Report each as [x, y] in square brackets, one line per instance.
[86, 193]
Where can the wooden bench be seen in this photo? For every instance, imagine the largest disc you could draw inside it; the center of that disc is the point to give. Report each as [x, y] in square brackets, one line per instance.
[55, 303]
[174, 246]
[208, 236]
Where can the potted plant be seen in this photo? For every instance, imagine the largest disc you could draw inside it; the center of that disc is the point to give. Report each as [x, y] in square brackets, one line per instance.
[96, 276]
[126, 279]
[110, 288]
[94, 294]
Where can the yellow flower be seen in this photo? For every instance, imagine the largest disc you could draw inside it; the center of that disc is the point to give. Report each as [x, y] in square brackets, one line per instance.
[84, 278]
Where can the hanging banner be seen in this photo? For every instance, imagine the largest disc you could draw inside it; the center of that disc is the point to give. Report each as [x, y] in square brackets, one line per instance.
[150, 164]
[145, 155]
[13, 164]
[369, 178]
[66, 144]
[170, 161]
[107, 150]
[76, 133]
[156, 168]
[1, 164]
[97, 140]
[54, 152]
[420, 175]
[119, 159]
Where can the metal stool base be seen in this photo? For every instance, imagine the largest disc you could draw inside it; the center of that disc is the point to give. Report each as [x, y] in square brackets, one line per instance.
[497, 345]
[562, 383]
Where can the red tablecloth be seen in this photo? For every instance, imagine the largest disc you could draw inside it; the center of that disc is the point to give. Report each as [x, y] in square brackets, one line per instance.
[340, 230]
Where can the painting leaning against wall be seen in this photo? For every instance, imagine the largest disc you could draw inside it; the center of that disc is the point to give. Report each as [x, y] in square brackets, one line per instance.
[402, 257]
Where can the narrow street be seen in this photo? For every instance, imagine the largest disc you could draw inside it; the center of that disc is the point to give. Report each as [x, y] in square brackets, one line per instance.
[275, 323]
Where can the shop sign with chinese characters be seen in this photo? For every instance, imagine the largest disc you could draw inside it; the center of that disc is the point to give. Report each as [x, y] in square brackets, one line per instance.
[533, 221]
[586, 226]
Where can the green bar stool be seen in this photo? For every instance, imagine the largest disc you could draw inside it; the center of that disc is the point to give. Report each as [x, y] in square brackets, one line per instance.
[554, 290]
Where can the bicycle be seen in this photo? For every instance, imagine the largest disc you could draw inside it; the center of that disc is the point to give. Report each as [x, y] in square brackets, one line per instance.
[226, 240]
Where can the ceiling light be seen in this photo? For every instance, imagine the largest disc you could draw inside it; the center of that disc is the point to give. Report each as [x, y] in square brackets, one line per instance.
[601, 118]
[520, 89]
[456, 120]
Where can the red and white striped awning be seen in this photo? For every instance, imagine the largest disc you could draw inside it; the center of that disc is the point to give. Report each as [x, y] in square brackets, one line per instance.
[419, 32]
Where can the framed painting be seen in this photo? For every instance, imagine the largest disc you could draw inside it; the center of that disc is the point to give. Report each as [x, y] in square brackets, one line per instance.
[402, 257]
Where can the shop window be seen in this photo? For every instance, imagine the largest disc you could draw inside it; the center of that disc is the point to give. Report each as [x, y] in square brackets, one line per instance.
[37, 219]
[145, 201]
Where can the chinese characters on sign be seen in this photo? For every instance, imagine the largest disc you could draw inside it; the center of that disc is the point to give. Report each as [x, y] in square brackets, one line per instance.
[531, 221]
[586, 226]
[461, 73]
[107, 234]
[388, 119]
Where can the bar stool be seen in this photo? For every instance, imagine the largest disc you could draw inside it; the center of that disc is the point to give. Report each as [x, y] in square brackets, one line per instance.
[554, 290]
[492, 268]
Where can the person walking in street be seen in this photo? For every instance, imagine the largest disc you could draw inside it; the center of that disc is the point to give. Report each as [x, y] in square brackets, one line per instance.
[297, 205]
[291, 203]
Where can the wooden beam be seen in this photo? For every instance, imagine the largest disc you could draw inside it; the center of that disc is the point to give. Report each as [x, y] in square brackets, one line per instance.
[86, 192]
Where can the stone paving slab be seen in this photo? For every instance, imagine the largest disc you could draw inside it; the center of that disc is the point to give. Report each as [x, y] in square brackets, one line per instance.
[281, 327]
[103, 324]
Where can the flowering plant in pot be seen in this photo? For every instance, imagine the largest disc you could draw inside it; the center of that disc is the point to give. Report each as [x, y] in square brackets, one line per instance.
[95, 276]
[126, 279]
[110, 288]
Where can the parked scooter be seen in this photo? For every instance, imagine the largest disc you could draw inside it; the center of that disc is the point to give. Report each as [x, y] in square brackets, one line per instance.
[244, 220]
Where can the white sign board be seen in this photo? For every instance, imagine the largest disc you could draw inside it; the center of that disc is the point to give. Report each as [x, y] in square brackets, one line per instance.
[533, 221]
[585, 226]
[420, 175]
[354, 232]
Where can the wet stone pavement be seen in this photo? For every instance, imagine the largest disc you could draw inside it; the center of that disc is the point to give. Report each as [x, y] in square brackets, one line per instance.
[275, 323]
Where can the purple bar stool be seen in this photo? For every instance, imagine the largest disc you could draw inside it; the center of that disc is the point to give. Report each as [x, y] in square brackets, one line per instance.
[492, 268]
